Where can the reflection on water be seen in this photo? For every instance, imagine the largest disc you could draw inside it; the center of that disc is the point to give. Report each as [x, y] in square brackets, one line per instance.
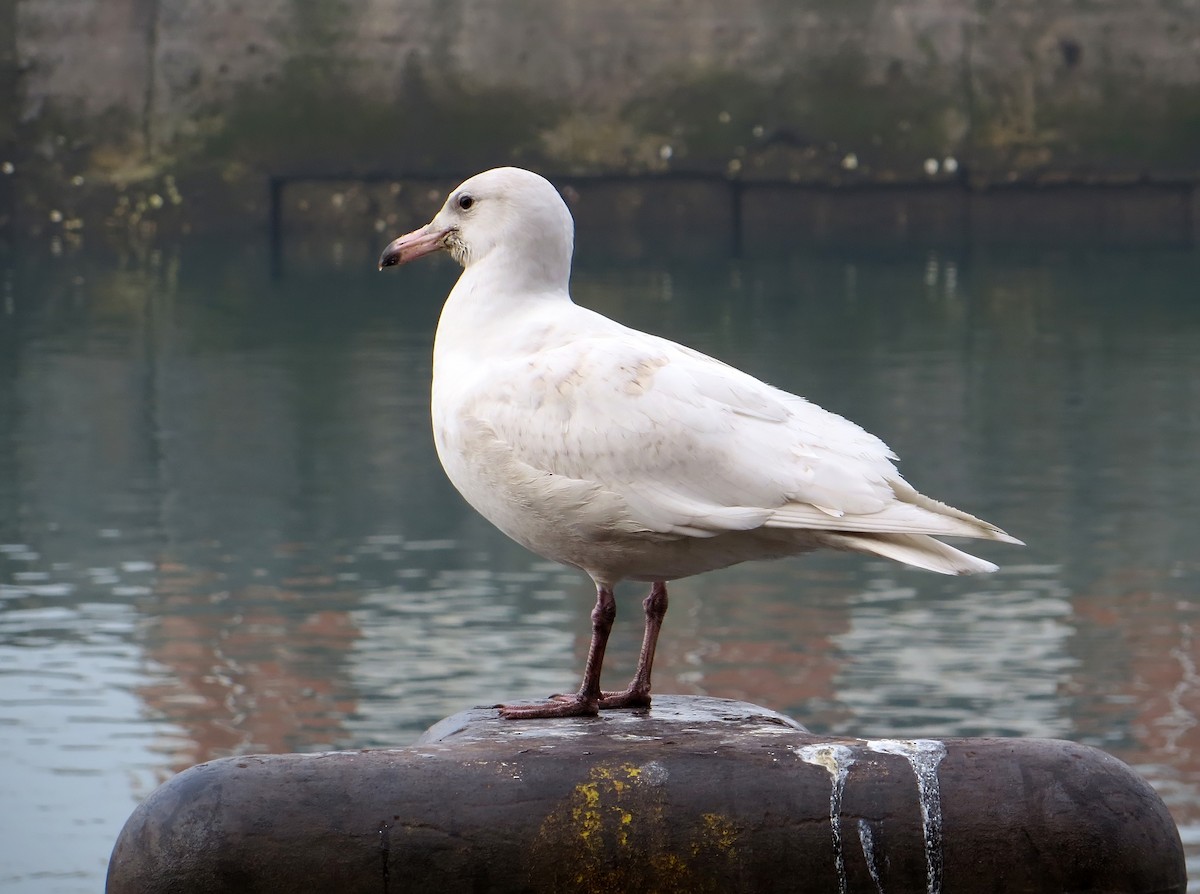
[223, 528]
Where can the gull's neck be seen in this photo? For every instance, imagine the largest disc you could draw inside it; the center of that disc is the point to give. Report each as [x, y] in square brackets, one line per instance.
[496, 294]
[504, 281]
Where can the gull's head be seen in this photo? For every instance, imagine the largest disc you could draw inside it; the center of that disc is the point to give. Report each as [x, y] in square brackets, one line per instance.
[507, 212]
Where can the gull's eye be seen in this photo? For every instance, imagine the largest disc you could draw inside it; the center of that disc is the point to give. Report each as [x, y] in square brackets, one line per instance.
[465, 202]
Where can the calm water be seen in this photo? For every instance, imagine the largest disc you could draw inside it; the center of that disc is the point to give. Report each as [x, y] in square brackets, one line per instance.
[223, 528]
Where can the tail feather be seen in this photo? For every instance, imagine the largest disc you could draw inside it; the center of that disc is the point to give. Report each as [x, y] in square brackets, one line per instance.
[918, 550]
[911, 512]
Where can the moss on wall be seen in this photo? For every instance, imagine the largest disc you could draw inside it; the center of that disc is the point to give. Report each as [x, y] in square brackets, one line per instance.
[1130, 129]
[822, 91]
[804, 122]
[10, 107]
[311, 121]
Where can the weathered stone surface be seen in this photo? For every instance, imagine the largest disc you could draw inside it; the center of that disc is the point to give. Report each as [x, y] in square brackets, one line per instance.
[220, 93]
[688, 216]
[694, 795]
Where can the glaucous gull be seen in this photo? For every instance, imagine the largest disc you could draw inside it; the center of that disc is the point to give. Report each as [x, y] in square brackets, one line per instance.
[626, 455]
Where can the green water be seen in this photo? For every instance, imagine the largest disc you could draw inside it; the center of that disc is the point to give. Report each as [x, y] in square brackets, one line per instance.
[223, 528]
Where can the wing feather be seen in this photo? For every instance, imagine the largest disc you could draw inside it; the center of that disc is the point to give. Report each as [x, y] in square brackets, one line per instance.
[694, 447]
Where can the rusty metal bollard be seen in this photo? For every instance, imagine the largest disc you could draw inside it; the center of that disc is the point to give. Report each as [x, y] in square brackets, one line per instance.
[694, 795]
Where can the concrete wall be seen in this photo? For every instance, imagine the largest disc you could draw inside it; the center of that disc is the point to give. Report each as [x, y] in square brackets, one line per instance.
[219, 93]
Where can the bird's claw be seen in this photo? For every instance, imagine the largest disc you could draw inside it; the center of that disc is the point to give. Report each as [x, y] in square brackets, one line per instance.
[630, 698]
[557, 706]
[562, 704]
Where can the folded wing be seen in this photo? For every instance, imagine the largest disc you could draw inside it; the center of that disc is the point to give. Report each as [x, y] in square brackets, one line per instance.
[692, 447]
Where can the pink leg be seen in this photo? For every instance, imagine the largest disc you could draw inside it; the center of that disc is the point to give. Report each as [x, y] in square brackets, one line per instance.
[638, 693]
[586, 702]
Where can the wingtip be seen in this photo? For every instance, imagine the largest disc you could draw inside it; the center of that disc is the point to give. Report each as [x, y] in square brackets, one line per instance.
[1005, 537]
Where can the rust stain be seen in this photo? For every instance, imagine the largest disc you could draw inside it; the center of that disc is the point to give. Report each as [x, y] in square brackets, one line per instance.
[717, 833]
[613, 833]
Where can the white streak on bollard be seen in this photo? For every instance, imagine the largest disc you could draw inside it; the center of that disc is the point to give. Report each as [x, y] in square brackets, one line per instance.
[923, 755]
[836, 759]
[867, 839]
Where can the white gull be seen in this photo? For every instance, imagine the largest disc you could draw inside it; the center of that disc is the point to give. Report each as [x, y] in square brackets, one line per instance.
[626, 455]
